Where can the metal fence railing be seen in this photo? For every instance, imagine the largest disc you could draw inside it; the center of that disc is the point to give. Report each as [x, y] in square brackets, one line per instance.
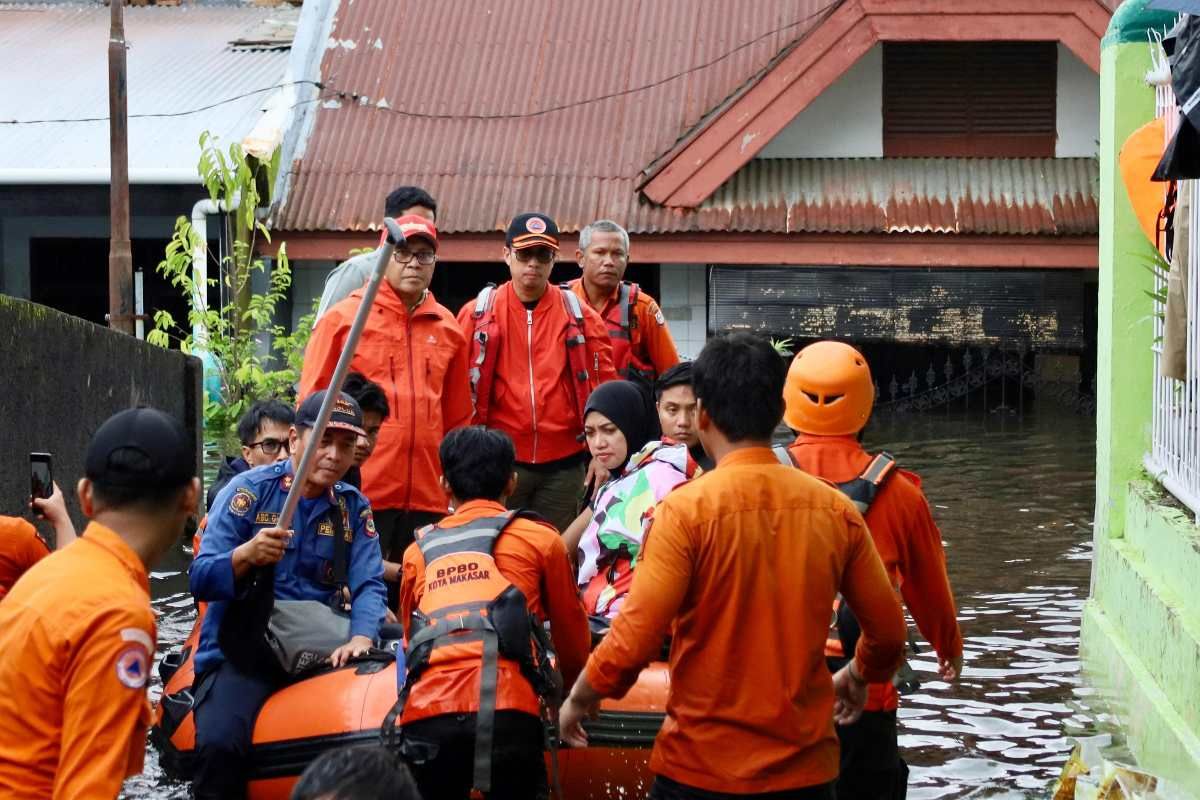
[1174, 457]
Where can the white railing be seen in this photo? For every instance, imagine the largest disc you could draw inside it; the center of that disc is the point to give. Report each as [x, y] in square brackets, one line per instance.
[1174, 457]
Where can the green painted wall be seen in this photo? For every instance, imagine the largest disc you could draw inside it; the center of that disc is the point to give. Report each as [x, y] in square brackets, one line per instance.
[1140, 636]
[1124, 331]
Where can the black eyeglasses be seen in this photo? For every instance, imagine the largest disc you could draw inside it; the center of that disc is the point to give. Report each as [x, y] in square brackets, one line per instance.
[542, 255]
[271, 447]
[425, 257]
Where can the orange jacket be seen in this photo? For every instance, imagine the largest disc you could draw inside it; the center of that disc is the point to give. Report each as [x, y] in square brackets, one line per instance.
[746, 561]
[906, 538]
[532, 397]
[76, 644]
[420, 360]
[534, 559]
[650, 348]
[20, 549]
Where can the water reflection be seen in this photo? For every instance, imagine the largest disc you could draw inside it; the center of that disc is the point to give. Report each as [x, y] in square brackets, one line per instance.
[1014, 500]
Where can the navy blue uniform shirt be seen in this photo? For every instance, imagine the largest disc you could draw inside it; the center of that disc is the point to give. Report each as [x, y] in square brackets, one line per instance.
[252, 501]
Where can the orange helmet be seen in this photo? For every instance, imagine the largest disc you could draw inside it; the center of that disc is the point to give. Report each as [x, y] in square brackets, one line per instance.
[829, 391]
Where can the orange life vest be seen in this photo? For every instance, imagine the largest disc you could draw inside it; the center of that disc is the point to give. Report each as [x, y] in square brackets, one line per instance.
[621, 319]
[470, 612]
[485, 349]
[862, 491]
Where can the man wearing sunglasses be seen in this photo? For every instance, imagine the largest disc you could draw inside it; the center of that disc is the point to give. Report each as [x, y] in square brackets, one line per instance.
[537, 352]
[263, 431]
[413, 349]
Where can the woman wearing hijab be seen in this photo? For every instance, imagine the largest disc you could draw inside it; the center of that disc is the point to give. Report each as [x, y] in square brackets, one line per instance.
[621, 428]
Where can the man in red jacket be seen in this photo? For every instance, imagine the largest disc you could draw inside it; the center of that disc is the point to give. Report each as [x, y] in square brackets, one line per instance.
[413, 348]
[536, 353]
[829, 396]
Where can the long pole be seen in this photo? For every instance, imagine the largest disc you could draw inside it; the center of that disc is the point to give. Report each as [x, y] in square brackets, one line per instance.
[395, 237]
[120, 257]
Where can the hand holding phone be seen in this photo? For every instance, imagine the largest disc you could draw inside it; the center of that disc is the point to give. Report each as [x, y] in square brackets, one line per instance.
[41, 479]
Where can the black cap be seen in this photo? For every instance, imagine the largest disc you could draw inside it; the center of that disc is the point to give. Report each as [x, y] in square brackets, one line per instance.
[346, 414]
[531, 229]
[167, 456]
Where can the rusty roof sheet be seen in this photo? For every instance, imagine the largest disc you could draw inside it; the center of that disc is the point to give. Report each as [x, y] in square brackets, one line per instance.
[1047, 196]
[440, 93]
[432, 93]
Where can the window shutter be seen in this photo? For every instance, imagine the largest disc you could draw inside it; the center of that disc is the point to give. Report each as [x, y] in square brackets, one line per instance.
[992, 99]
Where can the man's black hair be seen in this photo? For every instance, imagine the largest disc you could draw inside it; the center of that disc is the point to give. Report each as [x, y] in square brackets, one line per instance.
[678, 375]
[145, 494]
[738, 380]
[370, 395]
[477, 462]
[251, 422]
[356, 773]
[406, 197]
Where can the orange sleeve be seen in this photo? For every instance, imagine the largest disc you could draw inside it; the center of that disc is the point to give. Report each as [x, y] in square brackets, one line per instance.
[412, 582]
[599, 347]
[656, 337]
[105, 710]
[457, 408]
[660, 583]
[321, 355]
[925, 584]
[867, 589]
[564, 609]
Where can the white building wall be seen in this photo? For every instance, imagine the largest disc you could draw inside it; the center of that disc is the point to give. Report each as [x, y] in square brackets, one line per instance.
[1078, 107]
[845, 121]
[684, 302]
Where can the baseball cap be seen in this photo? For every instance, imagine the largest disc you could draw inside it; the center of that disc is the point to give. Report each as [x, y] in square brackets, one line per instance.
[416, 225]
[346, 414]
[164, 455]
[531, 229]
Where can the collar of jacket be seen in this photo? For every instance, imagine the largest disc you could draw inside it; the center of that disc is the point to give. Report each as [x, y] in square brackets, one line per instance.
[386, 298]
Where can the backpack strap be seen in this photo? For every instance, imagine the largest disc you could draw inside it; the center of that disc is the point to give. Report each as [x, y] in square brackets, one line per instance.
[341, 548]
[482, 367]
[625, 306]
[863, 489]
[782, 455]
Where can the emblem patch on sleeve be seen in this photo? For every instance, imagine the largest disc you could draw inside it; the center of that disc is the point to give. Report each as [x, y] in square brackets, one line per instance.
[659, 318]
[133, 667]
[368, 522]
[241, 501]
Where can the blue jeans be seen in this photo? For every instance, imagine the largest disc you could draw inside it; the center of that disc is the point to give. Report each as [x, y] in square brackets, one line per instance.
[226, 706]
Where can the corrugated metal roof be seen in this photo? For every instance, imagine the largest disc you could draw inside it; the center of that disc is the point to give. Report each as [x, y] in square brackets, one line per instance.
[504, 57]
[1055, 196]
[179, 59]
[459, 60]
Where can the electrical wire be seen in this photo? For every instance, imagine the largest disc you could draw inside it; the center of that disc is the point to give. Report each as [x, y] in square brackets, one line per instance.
[349, 95]
[167, 114]
[352, 96]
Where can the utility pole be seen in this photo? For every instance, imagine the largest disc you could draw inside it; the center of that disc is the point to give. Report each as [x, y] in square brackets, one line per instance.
[120, 257]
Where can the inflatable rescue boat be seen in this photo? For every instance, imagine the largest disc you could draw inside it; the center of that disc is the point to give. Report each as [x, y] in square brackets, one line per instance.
[337, 708]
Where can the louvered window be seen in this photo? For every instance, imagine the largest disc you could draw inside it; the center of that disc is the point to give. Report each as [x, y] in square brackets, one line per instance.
[969, 99]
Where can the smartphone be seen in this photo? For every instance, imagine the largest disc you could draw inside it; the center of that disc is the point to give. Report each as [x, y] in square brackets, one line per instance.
[41, 481]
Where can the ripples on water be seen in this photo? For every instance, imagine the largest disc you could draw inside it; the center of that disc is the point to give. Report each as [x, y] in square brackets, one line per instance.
[1014, 499]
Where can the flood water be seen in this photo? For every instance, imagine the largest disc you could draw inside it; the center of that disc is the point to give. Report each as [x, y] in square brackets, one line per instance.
[1014, 500]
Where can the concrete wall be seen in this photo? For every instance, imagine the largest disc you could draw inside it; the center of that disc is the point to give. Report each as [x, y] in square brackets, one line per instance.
[63, 377]
[1078, 107]
[845, 121]
[684, 301]
[1140, 634]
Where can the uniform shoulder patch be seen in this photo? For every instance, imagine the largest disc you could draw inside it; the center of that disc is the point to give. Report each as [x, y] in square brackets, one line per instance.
[368, 522]
[659, 318]
[133, 667]
[241, 501]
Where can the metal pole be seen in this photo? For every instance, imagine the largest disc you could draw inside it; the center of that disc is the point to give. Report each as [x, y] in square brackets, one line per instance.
[395, 237]
[120, 258]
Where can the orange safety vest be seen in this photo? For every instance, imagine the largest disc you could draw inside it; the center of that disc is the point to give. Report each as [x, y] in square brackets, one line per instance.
[862, 491]
[471, 612]
[621, 320]
[485, 349]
